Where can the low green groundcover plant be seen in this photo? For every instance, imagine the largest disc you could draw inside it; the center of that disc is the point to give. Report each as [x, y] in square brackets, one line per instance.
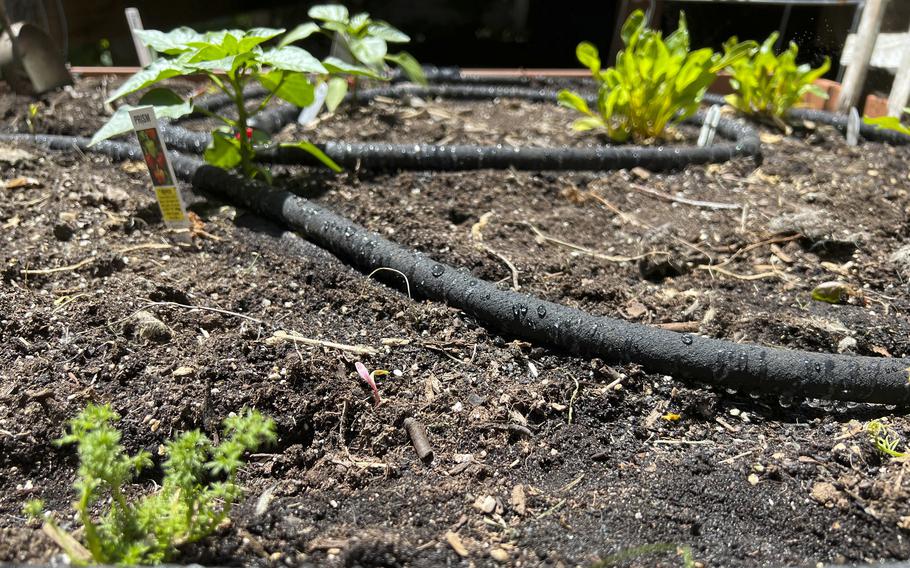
[196, 495]
[889, 123]
[769, 85]
[655, 81]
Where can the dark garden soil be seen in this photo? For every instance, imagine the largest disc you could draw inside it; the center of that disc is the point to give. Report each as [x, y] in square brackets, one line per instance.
[540, 458]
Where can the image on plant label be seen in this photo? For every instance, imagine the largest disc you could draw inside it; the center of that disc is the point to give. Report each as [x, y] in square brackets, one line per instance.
[155, 157]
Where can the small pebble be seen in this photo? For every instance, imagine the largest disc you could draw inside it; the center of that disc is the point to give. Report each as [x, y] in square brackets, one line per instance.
[499, 555]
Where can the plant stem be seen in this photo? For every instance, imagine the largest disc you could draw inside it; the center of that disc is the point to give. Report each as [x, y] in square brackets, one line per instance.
[272, 92]
[246, 145]
[91, 531]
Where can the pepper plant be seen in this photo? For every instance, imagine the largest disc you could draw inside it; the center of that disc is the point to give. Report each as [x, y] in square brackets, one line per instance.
[232, 60]
[768, 85]
[195, 497]
[656, 81]
[359, 40]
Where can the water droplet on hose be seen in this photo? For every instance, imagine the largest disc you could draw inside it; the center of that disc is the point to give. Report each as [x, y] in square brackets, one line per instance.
[687, 339]
[438, 269]
[541, 311]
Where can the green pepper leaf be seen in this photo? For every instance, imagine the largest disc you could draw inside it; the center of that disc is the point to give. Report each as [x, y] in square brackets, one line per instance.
[167, 104]
[159, 70]
[369, 50]
[336, 65]
[302, 31]
[358, 22]
[316, 153]
[409, 65]
[329, 13]
[337, 88]
[387, 32]
[172, 42]
[224, 151]
[292, 87]
[255, 36]
[292, 58]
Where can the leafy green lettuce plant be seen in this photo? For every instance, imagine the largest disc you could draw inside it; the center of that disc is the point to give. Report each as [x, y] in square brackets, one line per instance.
[889, 123]
[359, 40]
[231, 59]
[196, 495]
[655, 81]
[769, 85]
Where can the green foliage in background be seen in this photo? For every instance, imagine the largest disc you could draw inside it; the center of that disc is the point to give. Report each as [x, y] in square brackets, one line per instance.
[769, 85]
[359, 40]
[196, 495]
[889, 123]
[655, 81]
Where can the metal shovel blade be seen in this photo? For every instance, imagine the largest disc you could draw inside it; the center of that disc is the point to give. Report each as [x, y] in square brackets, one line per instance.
[41, 68]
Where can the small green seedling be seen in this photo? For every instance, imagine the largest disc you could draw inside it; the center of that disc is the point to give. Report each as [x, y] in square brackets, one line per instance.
[685, 552]
[195, 497]
[34, 111]
[884, 439]
[889, 123]
[655, 81]
[361, 40]
[231, 59]
[768, 85]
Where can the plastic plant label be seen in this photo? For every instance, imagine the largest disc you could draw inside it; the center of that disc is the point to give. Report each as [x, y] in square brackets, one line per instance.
[853, 127]
[709, 127]
[143, 52]
[173, 210]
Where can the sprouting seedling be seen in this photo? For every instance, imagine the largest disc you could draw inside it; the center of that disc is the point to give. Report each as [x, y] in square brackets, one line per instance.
[370, 379]
[884, 439]
[685, 552]
[32, 119]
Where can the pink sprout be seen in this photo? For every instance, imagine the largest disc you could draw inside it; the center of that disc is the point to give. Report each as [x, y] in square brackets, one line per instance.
[365, 375]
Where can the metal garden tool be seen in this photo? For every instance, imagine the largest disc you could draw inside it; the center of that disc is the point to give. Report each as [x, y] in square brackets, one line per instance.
[29, 60]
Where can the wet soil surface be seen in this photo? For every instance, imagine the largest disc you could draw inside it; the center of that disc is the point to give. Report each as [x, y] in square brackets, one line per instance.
[540, 458]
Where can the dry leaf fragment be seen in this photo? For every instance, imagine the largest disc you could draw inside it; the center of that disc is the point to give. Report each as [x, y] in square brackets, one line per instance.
[881, 351]
[23, 183]
[455, 542]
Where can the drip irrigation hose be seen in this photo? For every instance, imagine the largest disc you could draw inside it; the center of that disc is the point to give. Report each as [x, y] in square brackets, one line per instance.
[743, 141]
[722, 363]
[838, 121]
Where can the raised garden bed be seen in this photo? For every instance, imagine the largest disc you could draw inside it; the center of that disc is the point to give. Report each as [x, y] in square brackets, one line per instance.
[599, 461]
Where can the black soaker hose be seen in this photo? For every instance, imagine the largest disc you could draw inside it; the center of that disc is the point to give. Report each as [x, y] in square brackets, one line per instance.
[838, 121]
[721, 363]
[385, 156]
